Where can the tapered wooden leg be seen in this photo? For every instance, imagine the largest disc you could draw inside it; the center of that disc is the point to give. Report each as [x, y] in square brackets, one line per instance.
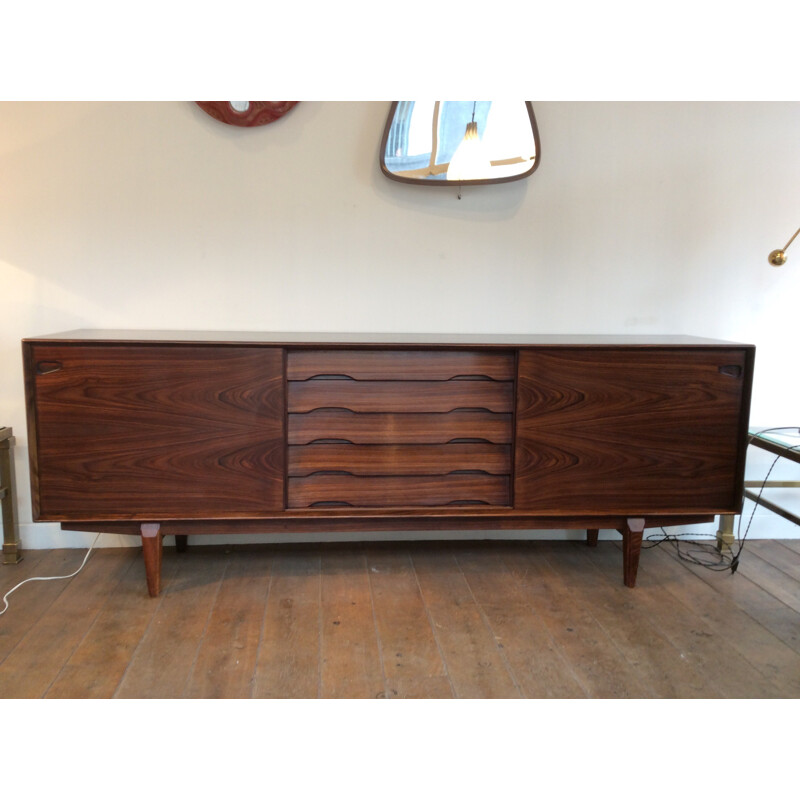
[181, 542]
[631, 548]
[151, 550]
[591, 537]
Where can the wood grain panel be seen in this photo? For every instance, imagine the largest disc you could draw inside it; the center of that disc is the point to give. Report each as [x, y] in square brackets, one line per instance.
[408, 365]
[400, 396]
[655, 431]
[382, 491]
[159, 431]
[399, 428]
[389, 459]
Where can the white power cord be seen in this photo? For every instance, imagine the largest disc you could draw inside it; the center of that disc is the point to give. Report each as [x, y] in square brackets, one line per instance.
[50, 578]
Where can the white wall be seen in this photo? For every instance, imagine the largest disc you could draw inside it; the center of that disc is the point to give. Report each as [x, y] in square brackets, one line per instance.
[642, 218]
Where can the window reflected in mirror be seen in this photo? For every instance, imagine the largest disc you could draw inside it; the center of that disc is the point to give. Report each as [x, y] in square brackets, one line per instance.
[444, 142]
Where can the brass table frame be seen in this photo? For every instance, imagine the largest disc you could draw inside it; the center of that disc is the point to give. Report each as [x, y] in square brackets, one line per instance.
[12, 552]
[725, 535]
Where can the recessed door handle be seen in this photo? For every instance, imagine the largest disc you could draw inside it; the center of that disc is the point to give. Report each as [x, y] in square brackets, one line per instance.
[734, 370]
[46, 367]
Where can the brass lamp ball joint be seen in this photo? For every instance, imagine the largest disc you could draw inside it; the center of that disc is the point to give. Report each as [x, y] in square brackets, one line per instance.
[778, 257]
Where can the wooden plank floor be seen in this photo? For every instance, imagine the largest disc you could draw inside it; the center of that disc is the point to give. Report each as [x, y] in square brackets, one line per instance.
[403, 620]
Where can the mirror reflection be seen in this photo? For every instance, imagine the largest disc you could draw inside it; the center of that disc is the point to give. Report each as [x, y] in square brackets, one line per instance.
[441, 142]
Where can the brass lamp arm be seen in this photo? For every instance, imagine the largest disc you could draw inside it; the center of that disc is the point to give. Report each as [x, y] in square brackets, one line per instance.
[778, 257]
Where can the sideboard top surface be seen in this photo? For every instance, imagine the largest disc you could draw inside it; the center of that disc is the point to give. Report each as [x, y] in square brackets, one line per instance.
[380, 339]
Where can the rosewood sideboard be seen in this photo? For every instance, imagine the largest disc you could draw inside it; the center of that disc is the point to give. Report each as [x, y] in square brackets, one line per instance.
[160, 432]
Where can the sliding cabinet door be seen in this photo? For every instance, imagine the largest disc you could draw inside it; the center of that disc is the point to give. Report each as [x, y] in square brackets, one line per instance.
[631, 430]
[152, 431]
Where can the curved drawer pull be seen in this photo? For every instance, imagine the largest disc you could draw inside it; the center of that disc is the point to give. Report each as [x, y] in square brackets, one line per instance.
[322, 408]
[734, 370]
[46, 367]
[331, 472]
[330, 376]
[468, 472]
[330, 503]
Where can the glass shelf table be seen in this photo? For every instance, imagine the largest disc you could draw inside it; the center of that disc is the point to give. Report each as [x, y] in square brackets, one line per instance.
[783, 443]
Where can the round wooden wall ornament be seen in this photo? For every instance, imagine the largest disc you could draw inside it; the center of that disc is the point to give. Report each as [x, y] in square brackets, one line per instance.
[247, 113]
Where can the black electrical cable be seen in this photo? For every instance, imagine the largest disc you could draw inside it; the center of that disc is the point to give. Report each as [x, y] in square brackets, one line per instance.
[719, 561]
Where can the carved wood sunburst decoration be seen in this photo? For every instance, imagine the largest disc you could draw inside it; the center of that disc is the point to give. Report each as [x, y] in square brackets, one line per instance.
[247, 113]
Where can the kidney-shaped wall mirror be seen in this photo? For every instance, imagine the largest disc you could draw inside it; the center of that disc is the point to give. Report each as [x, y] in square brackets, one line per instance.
[445, 142]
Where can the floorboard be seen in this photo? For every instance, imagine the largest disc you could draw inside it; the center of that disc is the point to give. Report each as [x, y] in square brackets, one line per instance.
[164, 658]
[779, 555]
[634, 631]
[475, 661]
[789, 544]
[753, 599]
[663, 596]
[226, 660]
[779, 575]
[96, 666]
[49, 643]
[30, 601]
[412, 662]
[405, 620]
[754, 643]
[351, 661]
[539, 667]
[594, 658]
[289, 658]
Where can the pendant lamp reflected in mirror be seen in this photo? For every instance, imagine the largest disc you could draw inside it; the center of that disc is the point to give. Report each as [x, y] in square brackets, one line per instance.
[449, 142]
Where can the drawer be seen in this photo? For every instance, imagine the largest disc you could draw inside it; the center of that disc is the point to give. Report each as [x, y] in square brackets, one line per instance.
[403, 491]
[390, 428]
[407, 365]
[395, 459]
[400, 396]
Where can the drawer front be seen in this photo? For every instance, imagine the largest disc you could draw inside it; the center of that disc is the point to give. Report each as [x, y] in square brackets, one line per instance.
[348, 426]
[401, 491]
[399, 428]
[400, 396]
[399, 459]
[406, 365]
